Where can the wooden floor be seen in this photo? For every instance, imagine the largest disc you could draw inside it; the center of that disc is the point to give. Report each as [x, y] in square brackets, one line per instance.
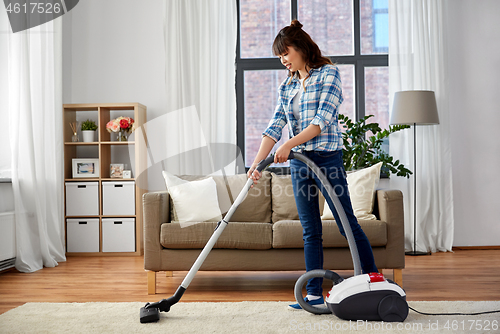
[462, 275]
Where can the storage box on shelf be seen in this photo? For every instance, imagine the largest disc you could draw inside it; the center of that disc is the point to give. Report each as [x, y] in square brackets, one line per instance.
[118, 198]
[117, 234]
[103, 214]
[82, 198]
[82, 235]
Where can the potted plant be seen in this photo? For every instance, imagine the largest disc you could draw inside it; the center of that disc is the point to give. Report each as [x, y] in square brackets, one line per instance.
[363, 149]
[88, 130]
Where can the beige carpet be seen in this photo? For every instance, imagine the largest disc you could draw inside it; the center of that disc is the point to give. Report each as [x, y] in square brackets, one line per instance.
[244, 317]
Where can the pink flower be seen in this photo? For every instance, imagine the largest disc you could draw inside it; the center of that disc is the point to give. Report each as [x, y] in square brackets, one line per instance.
[112, 126]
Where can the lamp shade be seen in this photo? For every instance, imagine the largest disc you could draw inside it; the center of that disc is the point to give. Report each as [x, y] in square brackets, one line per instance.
[414, 107]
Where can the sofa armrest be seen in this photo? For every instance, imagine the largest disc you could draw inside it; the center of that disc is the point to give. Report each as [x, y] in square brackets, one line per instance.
[390, 210]
[156, 208]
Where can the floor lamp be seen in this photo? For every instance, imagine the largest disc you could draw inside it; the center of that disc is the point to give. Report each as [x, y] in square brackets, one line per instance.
[415, 107]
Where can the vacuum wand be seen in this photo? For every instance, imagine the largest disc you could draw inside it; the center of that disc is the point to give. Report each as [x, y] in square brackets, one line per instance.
[151, 311]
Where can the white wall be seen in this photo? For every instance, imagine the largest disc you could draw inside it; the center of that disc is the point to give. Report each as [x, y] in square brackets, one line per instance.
[7, 226]
[113, 51]
[5, 151]
[474, 82]
[6, 195]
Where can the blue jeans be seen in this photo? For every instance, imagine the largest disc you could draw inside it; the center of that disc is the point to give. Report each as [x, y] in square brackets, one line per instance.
[305, 189]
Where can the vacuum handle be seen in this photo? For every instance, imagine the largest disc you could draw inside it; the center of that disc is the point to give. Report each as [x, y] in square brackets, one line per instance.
[269, 160]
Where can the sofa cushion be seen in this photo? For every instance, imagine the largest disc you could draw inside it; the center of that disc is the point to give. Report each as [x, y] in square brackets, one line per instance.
[257, 205]
[362, 185]
[283, 200]
[235, 236]
[288, 234]
[255, 208]
[186, 195]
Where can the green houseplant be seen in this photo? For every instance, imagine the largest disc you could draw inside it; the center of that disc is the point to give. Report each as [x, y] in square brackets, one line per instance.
[89, 125]
[88, 130]
[362, 149]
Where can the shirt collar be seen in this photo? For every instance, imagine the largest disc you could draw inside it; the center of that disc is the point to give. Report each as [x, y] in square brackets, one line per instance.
[296, 75]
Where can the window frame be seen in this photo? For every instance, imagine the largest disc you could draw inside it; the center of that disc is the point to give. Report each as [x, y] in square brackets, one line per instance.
[359, 61]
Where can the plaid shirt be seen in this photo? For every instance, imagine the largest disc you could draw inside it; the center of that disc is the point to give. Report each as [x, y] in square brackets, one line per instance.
[319, 105]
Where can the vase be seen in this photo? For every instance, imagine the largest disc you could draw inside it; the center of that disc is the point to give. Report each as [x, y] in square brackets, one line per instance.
[88, 136]
[75, 138]
[122, 135]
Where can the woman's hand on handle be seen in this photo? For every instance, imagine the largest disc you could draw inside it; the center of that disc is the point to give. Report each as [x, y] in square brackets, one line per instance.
[282, 153]
[253, 173]
[266, 146]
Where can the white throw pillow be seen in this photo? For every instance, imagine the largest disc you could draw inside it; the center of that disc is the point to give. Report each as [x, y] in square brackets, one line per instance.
[194, 201]
[362, 185]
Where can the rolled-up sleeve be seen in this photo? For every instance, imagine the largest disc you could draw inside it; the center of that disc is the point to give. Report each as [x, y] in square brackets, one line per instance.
[276, 124]
[330, 99]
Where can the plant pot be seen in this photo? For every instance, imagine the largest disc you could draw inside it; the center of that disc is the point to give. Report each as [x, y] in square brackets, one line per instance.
[88, 136]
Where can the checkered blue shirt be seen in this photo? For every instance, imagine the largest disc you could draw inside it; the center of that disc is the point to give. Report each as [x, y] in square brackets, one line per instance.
[318, 105]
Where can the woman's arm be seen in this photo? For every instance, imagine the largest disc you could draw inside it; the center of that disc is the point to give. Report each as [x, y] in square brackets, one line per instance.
[330, 98]
[283, 151]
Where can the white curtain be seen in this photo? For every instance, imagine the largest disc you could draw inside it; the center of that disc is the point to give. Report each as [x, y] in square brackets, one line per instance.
[417, 54]
[200, 52]
[5, 165]
[35, 112]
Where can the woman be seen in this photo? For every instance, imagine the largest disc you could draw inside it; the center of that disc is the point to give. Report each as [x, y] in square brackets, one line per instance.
[308, 103]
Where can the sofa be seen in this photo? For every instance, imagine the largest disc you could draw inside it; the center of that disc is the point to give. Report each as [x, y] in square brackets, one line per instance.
[264, 233]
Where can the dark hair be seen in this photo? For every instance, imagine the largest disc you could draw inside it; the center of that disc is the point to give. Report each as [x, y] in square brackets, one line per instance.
[294, 36]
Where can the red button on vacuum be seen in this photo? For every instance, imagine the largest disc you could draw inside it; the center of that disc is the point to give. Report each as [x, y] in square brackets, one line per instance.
[376, 277]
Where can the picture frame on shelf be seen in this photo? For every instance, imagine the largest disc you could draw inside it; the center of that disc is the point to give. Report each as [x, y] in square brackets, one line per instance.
[85, 168]
[116, 171]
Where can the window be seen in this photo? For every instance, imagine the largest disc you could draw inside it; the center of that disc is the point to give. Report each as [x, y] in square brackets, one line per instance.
[329, 23]
[261, 89]
[352, 33]
[259, 22]
[374, 26]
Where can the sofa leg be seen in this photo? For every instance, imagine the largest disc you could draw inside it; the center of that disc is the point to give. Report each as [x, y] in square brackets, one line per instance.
[151, 282]
[169, 274]
[398, 277]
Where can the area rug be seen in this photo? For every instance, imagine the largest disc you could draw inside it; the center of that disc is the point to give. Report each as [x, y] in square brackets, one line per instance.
[242, 317]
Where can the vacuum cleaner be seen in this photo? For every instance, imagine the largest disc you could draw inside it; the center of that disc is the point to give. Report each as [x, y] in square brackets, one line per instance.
[361, 297]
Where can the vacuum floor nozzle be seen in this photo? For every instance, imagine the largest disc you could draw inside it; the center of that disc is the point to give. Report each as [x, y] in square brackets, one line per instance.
[149, 315]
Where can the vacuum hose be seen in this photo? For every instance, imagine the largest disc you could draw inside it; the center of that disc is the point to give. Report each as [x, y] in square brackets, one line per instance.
[332, 276]
[345, 224]
[336, 202]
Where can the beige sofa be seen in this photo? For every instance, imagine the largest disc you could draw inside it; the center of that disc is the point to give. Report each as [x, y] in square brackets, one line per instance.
[264, 233]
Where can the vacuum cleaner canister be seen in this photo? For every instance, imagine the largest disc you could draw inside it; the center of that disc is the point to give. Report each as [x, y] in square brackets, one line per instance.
[368, 297]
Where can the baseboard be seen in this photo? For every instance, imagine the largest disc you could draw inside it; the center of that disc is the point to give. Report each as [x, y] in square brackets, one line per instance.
[7, 270]
[475, 247]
